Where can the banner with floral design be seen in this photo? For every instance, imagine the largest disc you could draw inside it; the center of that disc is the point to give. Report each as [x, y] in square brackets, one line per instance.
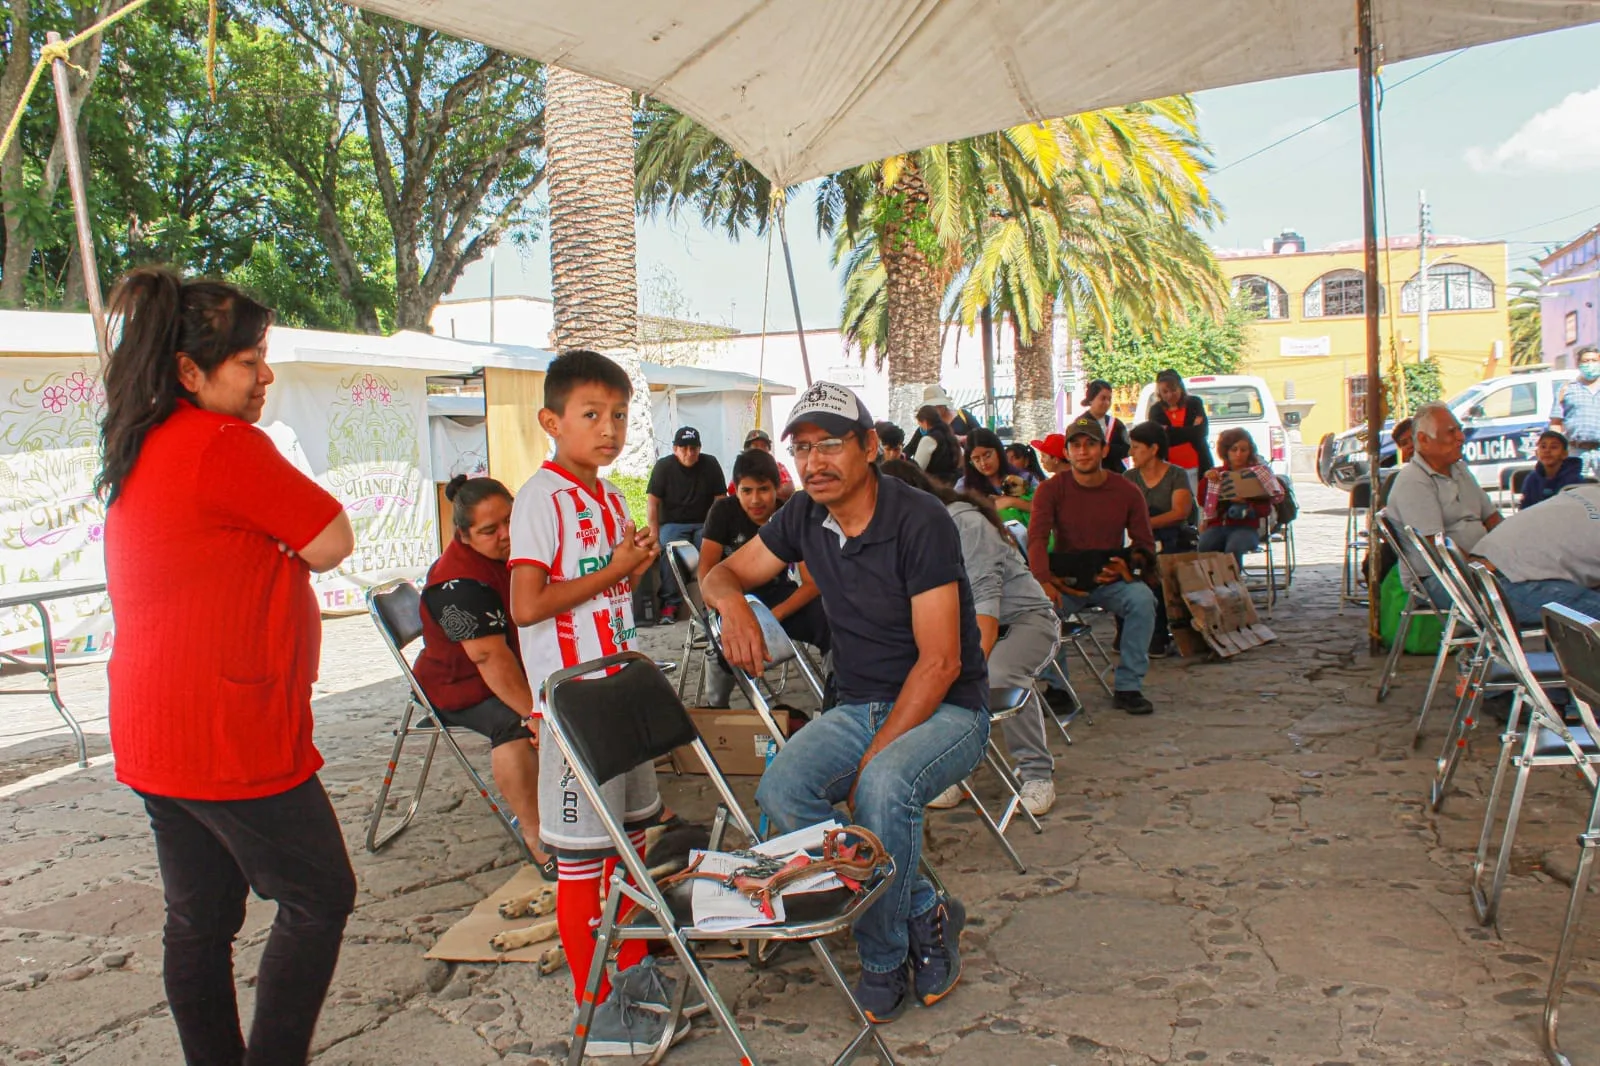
[363, 434]
[51, 524]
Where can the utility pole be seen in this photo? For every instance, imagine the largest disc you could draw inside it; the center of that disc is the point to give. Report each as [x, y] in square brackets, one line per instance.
[1367, 57]
[1424, 289]
[491, 294]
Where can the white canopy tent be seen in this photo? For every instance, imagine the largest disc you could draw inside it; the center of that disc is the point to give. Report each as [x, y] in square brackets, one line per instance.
[807, 87]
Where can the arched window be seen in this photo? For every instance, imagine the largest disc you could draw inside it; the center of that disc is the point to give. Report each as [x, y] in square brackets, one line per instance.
[1261, 296]
[1339, 292]
[1451, 287]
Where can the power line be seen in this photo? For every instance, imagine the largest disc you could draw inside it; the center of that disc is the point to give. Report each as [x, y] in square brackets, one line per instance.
[1329, 118]
[1547, 222]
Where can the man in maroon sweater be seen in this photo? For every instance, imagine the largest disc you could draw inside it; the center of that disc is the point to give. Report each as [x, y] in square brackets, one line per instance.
[1088, 509]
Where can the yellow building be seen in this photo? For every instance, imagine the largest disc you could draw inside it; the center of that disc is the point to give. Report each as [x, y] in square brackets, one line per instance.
[1310, 341]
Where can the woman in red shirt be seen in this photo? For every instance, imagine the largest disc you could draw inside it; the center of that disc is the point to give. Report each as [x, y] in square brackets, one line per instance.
[211, 538]
[471, 661]
[1188, 434]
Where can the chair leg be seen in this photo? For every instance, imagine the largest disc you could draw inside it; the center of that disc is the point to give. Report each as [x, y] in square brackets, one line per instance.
[1456, 740]
[488, 797]
[1446, 645]
[994, 827]
[683, 656]
[867, 1031]
[375, 841]
[1487, 902]
[1002, 769]
[590, 998]
[1391, 665]
[1098, 671]
[1587, 842]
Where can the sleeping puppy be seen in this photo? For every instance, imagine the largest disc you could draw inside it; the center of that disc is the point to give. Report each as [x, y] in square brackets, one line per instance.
[1013, 485]
[667, 848]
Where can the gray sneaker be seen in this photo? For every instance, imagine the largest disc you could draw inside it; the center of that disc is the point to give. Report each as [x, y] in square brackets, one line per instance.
[652, 990]
[623, 1027]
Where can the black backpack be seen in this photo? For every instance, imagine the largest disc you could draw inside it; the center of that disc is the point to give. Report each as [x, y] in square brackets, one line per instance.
[1286, 509]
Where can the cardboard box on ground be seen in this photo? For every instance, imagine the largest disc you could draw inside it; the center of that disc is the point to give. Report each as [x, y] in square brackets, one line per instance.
[737, 739]
[1208, 605]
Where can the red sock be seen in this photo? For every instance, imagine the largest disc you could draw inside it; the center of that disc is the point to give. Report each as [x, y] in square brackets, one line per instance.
[577, 918]
[632, 952]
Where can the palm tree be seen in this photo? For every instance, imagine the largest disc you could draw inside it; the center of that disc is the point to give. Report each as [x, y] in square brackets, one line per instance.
[1527, 321]
[594, 275]
[1115, 231]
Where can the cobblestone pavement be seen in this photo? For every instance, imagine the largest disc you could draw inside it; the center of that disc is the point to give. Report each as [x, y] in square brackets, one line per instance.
[1248, 876]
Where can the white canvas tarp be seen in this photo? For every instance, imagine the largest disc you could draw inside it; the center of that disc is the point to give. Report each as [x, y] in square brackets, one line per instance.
[362, 433]
[51, 523]
[803, 88]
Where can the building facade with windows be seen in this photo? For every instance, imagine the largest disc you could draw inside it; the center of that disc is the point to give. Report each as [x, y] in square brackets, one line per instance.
[1309, 342]
[1570, 299]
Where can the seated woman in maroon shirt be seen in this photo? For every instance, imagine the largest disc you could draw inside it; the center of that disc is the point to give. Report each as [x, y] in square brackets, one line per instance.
[211, 539]
[471, 661]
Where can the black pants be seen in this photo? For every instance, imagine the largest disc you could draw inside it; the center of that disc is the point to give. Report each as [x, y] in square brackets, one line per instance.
[288, 848]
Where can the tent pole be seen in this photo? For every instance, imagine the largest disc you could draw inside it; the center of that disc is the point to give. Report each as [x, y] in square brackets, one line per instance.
[988, 368]
[794, 293]
[80, 201]
[1369, 217]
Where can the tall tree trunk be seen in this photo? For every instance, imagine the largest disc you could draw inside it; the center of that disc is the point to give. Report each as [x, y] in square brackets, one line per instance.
[594, 276]
[1034, 408]
[19, 64]
[914, 287]
[13, 76]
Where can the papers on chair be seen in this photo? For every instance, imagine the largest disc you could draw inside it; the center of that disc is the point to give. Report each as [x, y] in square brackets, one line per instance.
[720, 909]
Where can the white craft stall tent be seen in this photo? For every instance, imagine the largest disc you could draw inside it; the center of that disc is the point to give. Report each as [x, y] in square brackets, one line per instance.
[352, 411]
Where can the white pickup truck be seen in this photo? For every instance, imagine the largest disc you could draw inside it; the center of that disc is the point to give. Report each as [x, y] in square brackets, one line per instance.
[1238, 400]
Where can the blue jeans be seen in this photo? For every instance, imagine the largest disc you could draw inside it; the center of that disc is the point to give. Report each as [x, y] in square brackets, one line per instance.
[1235, 539]
[1525, 598]
[671, 595]
[813, 774]
[1135, 604]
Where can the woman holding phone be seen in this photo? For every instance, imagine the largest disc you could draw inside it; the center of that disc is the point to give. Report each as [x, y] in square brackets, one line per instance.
[211, 539]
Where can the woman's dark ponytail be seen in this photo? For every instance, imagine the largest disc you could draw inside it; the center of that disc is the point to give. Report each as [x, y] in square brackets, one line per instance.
[155, 314]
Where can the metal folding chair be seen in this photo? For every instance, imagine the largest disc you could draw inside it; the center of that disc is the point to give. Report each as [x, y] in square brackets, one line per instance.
[1356, 544]
[1426, 558]
[1418, 602]
[1482, 667]
[684, 560]
[1078, 632]
[1576, 640]
[1548, 741]
[396, 609]
[611, 715]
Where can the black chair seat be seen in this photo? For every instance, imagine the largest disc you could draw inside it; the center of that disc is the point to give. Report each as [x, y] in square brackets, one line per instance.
[1008, 698]
[1543, 664]
[1551, 744]
[802, 908]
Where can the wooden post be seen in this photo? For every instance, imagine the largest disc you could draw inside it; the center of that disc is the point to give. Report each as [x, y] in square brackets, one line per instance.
[517, 444]
[80, 201]
[1369, 218]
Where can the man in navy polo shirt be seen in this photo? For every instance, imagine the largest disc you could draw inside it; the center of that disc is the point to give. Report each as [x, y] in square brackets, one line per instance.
[913, 686]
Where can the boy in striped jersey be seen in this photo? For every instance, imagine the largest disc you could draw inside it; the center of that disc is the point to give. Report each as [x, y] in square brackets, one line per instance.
[574, 556]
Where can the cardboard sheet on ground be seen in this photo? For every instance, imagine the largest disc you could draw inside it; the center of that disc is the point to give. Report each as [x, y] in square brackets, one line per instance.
[468, 939]
[1208, 605]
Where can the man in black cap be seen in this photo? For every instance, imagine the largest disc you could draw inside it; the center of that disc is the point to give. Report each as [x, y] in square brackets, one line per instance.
[1089, 509]
[682, 488]
[761, 440]
[911, 718]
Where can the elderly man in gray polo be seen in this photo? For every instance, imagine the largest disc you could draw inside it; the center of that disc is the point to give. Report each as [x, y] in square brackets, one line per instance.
[1435, 492]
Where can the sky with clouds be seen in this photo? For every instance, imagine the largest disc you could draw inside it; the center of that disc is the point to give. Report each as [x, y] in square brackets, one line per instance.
[1505, 138]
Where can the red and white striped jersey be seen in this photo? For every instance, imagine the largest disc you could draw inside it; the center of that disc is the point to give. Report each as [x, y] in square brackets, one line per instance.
[560, 526]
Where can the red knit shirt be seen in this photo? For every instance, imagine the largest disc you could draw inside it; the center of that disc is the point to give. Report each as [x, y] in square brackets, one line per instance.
[218, 633]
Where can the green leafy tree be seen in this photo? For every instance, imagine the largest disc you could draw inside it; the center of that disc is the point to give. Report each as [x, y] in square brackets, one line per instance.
[1196, 344]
